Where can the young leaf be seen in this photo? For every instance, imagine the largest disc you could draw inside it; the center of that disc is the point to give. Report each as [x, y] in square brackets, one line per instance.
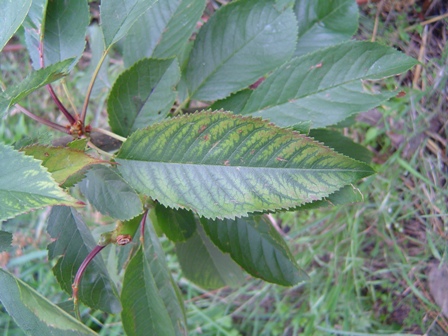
[240, 43]
[117, 17]
[61, 162]
[5, 240]
[323, 23]
[25, 185]
[205, 265]
[341, 144]
[150, 298]
[257, 247]
[35, 314]
[142, 95]
[325, 86]
[34, 81]
[163, 31]
[110, 194]
[223, 165]
[73, 241]
[65, 30]
[11, 16]
[178, 225]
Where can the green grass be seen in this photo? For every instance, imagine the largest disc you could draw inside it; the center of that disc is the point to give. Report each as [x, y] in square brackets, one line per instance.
[367, 262]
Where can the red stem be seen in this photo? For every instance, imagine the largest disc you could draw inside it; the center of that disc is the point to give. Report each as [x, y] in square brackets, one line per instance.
[82, 269]
[42, 121]
[53, 95]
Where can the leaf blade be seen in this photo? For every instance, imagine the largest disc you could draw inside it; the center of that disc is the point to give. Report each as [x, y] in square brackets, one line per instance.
[240, 43]
[34, 313]
[26, 185]
[222, 165]
[12, 15]
[5, 240]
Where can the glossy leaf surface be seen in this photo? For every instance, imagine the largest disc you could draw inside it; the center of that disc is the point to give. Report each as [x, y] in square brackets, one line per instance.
[72, 242]
[257, 247]
[35, 314]
[163, 31]
[223, 165]
[142, 95]
[240, 43]
[25, 185]
[324, 87]
[323, 23]
[12, 15]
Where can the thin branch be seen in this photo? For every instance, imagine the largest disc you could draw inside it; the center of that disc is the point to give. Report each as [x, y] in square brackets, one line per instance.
[90, 88]
[53, 95]
[99, 150]
[108, 133]
[41, 120]
[67, 94]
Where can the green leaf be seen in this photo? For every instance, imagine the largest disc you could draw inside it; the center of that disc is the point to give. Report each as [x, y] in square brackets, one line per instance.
[142, 95]
[205, 265]
[34, 24]
[178, 225]
[323, 23]
[223, 165]
[72, 243]
[65, 30]
[325, 86]
[151, 300]
[240, 43]
[110, 194]
[5, 240]
[61, 162]
[342, 144]
[118, 16]
[34, 81]
[257, 247]
[25, 185]
[12, 15]
[35, 314]
[163, 31]
[234, 103]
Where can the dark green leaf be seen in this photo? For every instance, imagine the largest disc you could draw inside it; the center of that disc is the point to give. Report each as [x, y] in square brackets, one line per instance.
[163, 31]
[342, 144]
[323, 23]
[325, 86]
[5, 240]
[142, 95]
[224, 165]
[34, 313]
[73, 241]
[110, 194]
[240, 43]
[12, 15]
[34, 81]
[150, 298]
[61, 162]
[205, 265]
[65, 30]
[257, 247]
[117, 17]
[234, 103]
[178, 225]
[25, 185]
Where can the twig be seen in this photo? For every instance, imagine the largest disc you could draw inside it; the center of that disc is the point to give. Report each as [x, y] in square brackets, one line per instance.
[426, 22]
[274, 224]
[377, 19]
[42, 121]
[99, 150]
[67, 94]
[108, 133]
[90, 87]
[421, 56]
